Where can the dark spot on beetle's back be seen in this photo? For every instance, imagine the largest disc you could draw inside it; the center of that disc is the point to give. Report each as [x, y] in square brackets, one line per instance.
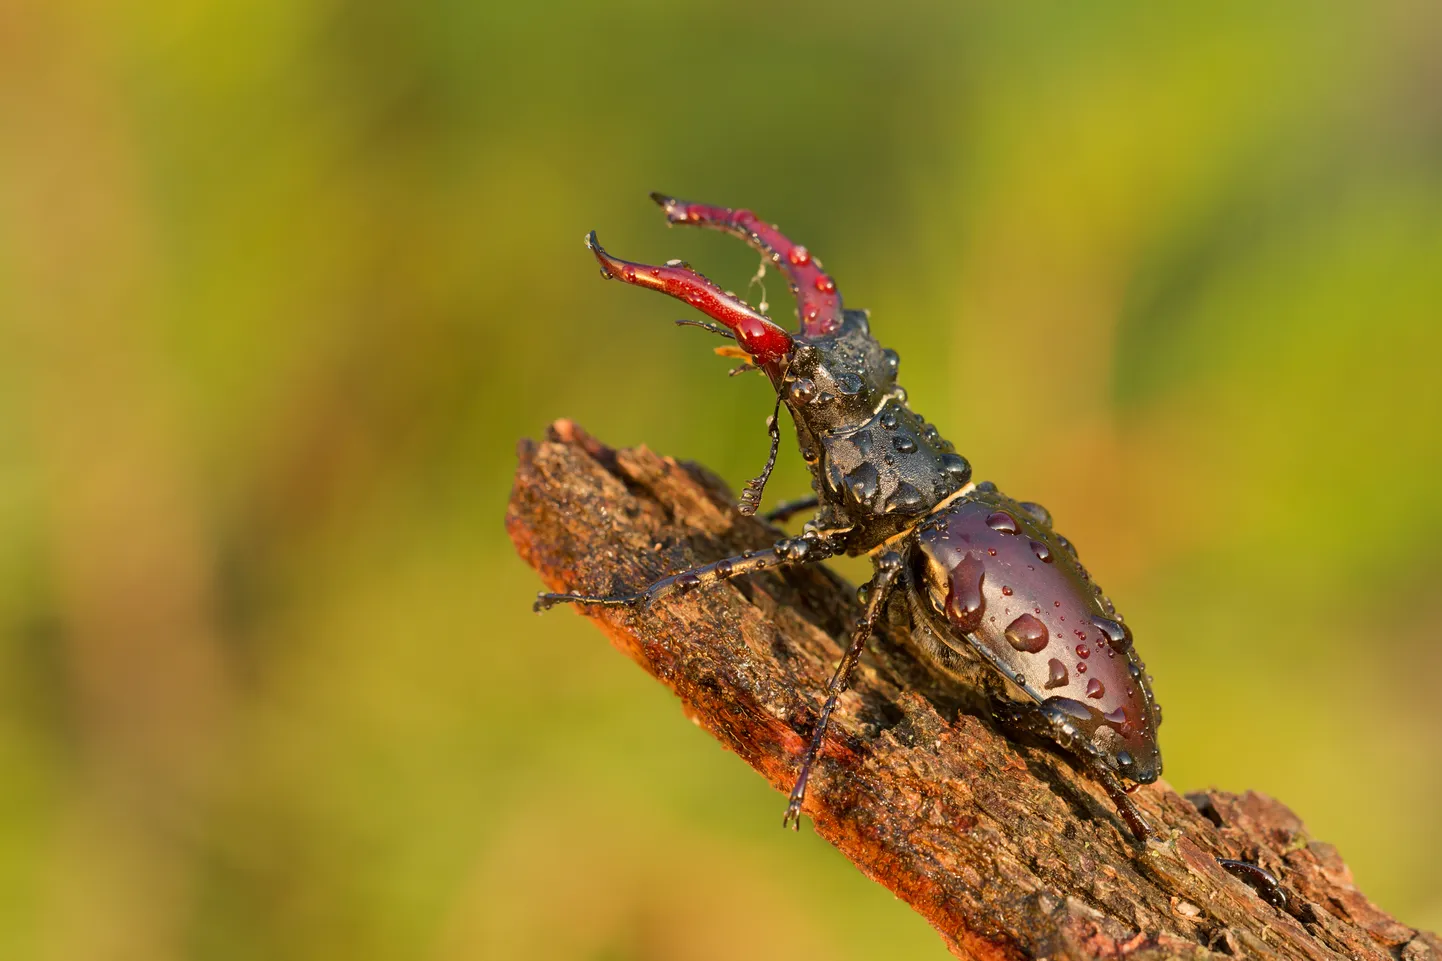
[1027, 634]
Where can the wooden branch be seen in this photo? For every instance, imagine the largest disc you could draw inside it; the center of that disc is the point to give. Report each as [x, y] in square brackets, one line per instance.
[1004, 847]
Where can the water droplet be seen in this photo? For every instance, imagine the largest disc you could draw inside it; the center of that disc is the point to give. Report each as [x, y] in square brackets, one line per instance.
[1124, 758]
[723, 568]
[1081, 668]
[1069, 707]
[991, 551]
[848, 383]
[1006, 591]
[802, 390]
[1083, 651]
[687, 582]
[892, 360]
[1042, 552]
[903, 444]
[799, 256]
[1095, 688]
[888, 419]
[825, 397]
[1070, 549]
[1107, 604]
[906, 498]
[1117, 635]
[986, 487]
[1042, 515]
[1002, 521]
[966, 603]
[1134, 670]
[957, 467]
[1056, 674]
[930, 434]
[808, 454]
[862, 483]
[825, 284]
[1027, 634]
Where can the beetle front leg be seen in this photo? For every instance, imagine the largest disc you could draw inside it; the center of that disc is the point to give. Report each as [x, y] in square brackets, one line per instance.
[888, 566]
[805, 549]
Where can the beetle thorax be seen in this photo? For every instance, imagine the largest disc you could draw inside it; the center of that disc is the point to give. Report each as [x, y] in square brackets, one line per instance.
[877, 465]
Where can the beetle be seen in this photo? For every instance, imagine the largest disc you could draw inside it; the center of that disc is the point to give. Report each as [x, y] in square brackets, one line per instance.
[998, 599]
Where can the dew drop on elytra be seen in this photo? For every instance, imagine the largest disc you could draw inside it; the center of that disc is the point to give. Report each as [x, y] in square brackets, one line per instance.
[1027, 634]
[1002, 521]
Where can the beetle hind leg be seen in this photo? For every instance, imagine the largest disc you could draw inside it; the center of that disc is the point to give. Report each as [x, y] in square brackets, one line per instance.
[888, 567]
[1055, 728]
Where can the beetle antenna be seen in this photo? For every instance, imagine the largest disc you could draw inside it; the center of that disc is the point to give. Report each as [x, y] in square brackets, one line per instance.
[714, 328]
[818, 302]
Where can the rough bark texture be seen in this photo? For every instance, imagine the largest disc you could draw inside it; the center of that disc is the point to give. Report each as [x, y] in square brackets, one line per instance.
[1004, 847]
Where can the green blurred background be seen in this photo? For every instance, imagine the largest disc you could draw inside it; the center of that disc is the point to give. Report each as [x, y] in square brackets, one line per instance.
[282, 284]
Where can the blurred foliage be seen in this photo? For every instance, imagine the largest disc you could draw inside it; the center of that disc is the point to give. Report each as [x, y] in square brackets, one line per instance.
[281, 285]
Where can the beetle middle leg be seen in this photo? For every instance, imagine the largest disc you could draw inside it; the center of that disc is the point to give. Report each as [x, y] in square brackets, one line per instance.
[888, 566]
[786, 510]
[805, 549]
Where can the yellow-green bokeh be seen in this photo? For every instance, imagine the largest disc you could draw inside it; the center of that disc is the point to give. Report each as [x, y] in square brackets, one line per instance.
[282, 284]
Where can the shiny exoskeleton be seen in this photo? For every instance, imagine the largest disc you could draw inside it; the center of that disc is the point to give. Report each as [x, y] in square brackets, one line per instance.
[997, 598]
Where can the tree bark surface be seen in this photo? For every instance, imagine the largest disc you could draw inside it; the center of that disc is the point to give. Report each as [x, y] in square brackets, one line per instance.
[1004, 847]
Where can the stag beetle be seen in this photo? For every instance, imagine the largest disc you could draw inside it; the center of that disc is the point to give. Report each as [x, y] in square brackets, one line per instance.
[997, 598]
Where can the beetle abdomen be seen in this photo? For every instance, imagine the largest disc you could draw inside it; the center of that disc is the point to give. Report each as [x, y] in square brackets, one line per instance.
[1003, 583]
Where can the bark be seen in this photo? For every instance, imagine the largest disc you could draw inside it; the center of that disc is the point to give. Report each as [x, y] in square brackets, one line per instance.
[1004, 847]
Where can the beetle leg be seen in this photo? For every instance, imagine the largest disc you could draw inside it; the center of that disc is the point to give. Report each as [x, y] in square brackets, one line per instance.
[888, 566]
[787, 509]
[758, 334]
[793, 550]
[1054, 727]
[818, 302]
[751, 495]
